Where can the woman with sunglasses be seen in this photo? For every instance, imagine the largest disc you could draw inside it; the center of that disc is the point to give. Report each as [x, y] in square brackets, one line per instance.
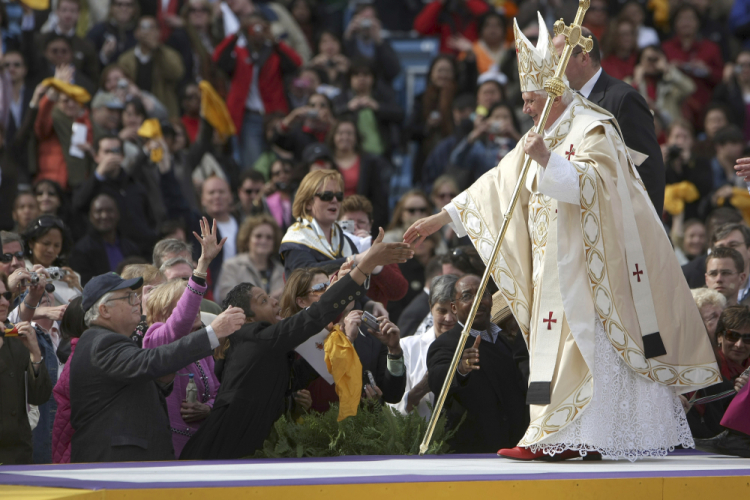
[316, 238]
[733, 356]
[303, 289]
[256, 260]
[412, 206]
[25, 378]
[48, 244]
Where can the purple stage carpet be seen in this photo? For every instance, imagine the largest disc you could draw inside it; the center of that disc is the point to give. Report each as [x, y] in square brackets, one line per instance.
[682, 475]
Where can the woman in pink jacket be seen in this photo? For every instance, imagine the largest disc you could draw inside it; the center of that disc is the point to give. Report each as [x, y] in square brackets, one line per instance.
[173, 311]
[72, 326]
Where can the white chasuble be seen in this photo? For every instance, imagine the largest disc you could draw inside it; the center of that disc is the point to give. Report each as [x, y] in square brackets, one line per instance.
[591, 278]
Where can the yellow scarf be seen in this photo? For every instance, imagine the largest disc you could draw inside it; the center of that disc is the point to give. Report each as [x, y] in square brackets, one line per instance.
[343, 363]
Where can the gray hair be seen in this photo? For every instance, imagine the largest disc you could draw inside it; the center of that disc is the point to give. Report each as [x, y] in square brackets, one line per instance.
[442, 288]
[567, 96]
[173, 262]
[708, 297]
[8, 237]
[93, 313]
[170, 246]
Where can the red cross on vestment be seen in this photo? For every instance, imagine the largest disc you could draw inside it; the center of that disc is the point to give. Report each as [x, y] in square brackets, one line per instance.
[549, 321]
[570, 153]
[638, 273]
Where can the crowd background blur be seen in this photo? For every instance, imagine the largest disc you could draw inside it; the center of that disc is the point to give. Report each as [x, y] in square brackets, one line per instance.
[298, 129]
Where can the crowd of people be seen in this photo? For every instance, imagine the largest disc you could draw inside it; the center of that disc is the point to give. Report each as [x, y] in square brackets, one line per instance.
[191, 190]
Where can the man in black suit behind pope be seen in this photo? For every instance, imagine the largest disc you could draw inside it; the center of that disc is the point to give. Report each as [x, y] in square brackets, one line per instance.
[586, 76]
[494, 397]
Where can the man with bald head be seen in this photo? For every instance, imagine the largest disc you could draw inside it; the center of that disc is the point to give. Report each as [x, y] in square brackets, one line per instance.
[493, 396]
[585, 75]
[216, 200]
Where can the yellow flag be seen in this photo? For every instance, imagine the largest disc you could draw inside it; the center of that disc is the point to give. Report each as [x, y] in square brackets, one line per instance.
[214, 110]
[741, 201]
[676, 195]
[78, 94]
[343, 363]
[150, 129]
[36, 4]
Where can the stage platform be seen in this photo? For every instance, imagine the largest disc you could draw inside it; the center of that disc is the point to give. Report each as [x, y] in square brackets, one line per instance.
[682, 475]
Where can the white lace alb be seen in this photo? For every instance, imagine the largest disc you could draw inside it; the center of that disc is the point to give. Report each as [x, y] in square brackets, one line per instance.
[628, 417]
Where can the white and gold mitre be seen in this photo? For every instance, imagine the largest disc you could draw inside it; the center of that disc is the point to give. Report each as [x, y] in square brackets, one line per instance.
[535, 64]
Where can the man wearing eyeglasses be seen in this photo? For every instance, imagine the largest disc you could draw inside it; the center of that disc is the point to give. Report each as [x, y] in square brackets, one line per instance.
[725, 273]
[117, 389]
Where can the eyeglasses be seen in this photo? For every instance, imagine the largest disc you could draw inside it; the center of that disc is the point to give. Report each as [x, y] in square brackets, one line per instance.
[733, 336]
[8, 257]
[725, 273]
[319, 288]
[133, 298]
[417, 210]
[7, 295]
[251, 191]
[113, 151]
[330, 195]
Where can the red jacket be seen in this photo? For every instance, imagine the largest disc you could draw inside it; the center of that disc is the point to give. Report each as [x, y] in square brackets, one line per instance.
[236, 62]
[702, 50]
[62, 430]
[390, 284]
[429, 22]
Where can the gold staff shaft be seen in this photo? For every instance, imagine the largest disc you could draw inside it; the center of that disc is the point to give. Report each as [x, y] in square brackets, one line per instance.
[555, 87]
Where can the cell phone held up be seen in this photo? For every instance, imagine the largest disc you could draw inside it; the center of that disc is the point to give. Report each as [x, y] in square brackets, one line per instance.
[370, 321]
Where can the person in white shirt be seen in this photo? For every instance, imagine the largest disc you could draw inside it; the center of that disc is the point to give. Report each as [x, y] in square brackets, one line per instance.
[417, 394]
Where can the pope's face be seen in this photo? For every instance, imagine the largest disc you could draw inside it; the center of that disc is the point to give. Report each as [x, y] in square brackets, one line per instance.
[533, 105]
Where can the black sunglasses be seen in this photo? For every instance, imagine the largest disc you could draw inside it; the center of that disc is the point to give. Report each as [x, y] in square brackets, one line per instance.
[319, 288]
[7, 295]
[418, 210]
[733, 336]
[251, 191]
[8, 257]
[49, 222]
[330, 195]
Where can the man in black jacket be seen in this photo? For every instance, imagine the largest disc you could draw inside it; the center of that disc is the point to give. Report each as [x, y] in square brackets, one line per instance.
[256, 370]
[493, 397]
[585, 74]
[117, 389]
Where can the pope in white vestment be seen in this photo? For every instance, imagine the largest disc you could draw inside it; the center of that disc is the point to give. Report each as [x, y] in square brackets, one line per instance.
[590, 276]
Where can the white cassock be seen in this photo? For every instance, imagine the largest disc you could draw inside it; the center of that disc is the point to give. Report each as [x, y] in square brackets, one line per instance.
[599, 382]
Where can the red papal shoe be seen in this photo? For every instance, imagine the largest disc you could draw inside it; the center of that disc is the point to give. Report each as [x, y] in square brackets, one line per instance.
[525, 454]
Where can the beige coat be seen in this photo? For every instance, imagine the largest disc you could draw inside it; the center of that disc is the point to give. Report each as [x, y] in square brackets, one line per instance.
[239, 269]
[167, 73]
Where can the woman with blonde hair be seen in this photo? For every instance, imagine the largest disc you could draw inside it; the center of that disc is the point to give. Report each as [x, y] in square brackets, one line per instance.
[173, 311]
[316, 238]
[256, 262]
[152, 278]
